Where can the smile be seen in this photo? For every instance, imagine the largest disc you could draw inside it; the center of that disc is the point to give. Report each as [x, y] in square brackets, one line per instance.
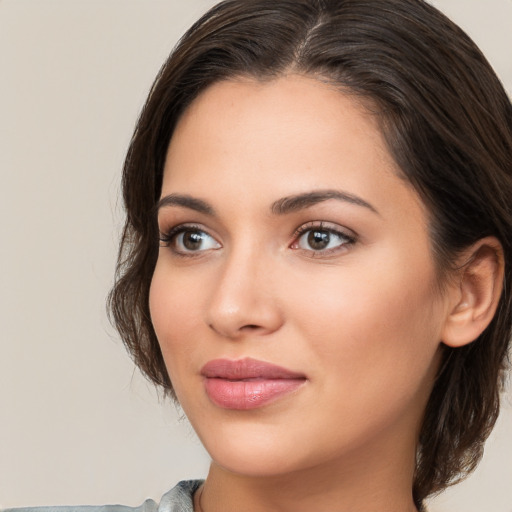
[248, 383]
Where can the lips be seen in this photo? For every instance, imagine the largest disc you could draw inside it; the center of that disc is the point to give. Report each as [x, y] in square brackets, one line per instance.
[248, 383]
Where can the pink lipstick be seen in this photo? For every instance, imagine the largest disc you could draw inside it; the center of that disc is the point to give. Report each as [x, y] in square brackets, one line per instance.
[247, 383]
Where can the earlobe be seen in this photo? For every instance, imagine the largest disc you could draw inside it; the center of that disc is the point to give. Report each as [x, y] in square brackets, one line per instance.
[477, 294]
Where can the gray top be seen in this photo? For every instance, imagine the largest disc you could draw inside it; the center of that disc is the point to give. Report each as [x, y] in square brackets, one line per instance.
[178, 499]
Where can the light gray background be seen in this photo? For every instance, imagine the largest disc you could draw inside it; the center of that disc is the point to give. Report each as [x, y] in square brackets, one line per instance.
[77, 424]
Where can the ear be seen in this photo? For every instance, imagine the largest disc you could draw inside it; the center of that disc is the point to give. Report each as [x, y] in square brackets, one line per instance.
[476, 292]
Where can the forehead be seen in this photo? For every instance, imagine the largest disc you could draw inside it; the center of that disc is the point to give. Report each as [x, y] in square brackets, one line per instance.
[307, 109]
[284, 136]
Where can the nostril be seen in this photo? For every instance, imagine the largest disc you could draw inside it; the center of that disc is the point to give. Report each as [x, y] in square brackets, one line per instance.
[248, 327]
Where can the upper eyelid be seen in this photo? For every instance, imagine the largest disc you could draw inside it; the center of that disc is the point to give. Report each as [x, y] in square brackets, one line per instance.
[165, 235]
[326, 226]
[170, 227]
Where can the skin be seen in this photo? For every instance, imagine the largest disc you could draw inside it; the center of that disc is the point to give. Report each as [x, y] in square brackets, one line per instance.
[362, 320]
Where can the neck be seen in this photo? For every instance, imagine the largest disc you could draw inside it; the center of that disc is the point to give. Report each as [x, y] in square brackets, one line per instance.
[375, 482]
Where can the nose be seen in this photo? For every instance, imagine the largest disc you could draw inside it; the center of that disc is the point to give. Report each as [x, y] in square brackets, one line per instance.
[244, 300]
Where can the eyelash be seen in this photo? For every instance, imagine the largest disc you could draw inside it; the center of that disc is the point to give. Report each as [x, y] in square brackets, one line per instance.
[169, 238]
[321, 227]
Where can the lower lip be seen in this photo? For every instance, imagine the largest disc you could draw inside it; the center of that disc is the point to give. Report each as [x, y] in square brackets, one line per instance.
[249, 394]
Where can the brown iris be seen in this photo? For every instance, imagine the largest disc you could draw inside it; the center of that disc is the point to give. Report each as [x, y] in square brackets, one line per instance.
[192, 240]
[319, 240]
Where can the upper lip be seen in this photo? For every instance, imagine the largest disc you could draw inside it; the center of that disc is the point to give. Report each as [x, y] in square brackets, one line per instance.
[247, 368]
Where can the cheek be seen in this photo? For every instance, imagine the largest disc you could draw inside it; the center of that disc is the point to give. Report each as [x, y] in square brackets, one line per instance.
[377, 319]
[373, 348]
[174, 313]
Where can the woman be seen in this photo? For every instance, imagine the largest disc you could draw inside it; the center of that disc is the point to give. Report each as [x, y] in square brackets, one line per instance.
[329, 304]
[316, 261]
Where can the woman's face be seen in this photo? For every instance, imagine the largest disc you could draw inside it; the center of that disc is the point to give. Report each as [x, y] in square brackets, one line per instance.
[294, 297]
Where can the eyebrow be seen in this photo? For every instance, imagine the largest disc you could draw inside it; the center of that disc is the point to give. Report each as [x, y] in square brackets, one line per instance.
[185, 201]
[297, 202]
[282, 206]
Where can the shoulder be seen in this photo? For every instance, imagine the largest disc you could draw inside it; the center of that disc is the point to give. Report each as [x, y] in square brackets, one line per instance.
[178, 499]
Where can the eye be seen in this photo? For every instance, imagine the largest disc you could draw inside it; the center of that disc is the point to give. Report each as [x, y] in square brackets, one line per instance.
[188, 239]
[321, 239]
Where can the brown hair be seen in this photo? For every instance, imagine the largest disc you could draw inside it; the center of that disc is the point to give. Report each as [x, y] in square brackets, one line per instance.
[448, 123]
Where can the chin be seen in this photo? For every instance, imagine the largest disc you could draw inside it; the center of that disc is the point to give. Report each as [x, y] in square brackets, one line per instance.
[253, 461]
[250, 448]
[264, 449]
